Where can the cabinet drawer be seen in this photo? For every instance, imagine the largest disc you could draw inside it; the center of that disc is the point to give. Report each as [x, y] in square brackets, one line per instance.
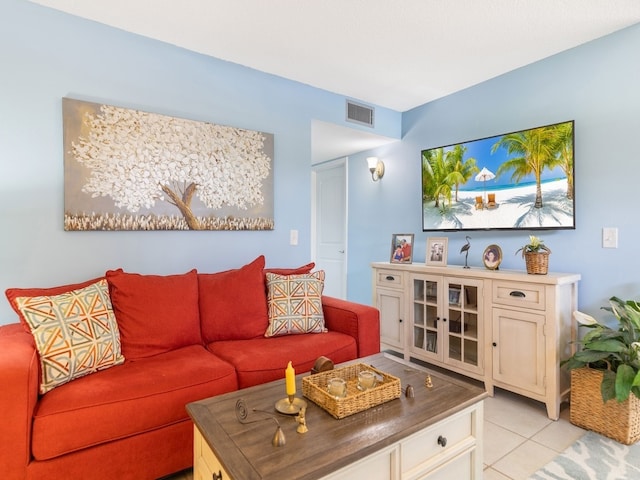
[423, 446]
[527, 295]
[205, 460]
[388, 278]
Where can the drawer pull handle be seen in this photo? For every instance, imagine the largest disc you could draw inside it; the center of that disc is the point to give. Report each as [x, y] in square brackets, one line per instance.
[494, 344]
[442, 441]
[400, 320]
[517, 293]
[217, 476]
[390, 278]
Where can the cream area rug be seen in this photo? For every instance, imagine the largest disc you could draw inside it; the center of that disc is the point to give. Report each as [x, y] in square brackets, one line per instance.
[593, 457]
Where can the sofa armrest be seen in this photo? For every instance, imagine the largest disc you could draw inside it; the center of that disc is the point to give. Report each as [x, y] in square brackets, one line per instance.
[360, 321]
[19, 369]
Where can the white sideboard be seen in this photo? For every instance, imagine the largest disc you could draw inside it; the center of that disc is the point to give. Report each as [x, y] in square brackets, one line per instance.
[503, 327]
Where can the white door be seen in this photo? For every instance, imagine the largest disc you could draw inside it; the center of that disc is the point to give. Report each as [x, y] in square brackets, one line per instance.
[329, 225]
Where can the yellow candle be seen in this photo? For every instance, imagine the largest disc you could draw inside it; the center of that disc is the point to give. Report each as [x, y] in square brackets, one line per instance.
[290, 378]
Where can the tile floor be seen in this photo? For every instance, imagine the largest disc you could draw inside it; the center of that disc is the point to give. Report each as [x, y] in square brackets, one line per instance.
[519, 438]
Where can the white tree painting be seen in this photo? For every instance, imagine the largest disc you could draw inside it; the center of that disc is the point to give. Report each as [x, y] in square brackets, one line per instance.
[159, 172]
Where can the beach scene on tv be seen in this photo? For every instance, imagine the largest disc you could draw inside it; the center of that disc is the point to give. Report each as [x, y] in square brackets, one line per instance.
[522, 179]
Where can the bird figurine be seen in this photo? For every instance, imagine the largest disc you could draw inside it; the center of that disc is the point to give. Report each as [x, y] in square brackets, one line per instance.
[465, 248]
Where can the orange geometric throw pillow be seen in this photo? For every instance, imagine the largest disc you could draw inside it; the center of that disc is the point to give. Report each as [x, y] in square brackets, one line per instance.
[295, 303]
[75, 333]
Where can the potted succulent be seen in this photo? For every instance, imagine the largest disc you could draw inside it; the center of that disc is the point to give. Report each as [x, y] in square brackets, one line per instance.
[536, 256]
[605, 373]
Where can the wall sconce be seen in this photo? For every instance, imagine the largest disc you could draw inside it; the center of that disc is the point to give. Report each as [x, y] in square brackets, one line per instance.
[376, 167]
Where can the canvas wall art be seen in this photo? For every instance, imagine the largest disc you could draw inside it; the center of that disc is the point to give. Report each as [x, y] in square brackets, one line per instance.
[127, 169]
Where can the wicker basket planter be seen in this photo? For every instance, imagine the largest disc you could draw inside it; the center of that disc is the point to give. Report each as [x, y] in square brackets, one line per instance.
[619, 421]
[537, 262]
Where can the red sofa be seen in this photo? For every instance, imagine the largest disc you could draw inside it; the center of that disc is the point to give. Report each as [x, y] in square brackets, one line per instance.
[183, 338]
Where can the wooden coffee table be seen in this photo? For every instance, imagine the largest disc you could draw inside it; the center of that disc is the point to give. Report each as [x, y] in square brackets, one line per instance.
[436, 434]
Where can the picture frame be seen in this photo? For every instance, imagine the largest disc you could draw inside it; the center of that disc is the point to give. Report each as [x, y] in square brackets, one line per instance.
[492, 257]
[437, 248]
[454, 296]
[432, 342]
[401, 248]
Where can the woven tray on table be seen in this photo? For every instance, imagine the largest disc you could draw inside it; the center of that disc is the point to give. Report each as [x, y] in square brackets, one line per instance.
[314, 387]
[619, 421]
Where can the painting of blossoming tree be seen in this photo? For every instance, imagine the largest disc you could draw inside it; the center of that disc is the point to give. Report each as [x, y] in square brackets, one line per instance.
[132, 170]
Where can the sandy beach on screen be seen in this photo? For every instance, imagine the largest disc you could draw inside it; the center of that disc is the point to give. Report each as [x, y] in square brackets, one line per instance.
[514, 209]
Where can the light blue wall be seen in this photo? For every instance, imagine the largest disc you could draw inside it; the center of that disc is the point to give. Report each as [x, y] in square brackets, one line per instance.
[597, 85]
[47, 55]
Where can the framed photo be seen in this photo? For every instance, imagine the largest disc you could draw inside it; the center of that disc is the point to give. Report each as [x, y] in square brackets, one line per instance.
[492, 257]
[454, 296]
[432, 342]
[401, 247]
[437, 251]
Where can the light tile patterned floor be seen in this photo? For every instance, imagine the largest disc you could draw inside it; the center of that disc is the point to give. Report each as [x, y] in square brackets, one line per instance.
[519, 438]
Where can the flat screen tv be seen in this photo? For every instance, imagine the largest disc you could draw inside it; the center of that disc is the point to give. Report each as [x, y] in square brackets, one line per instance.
[519, 180]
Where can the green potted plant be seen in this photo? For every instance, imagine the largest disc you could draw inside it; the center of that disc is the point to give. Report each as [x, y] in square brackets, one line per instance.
[605, 373]
[536, 256]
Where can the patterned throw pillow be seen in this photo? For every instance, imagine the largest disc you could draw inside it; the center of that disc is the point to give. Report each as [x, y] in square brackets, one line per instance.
[295, 303]
[75, 333]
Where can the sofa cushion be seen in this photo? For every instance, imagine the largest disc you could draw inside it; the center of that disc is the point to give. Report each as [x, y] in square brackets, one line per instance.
[12, 293]
[290, 271]
[295, 303]
[263, 360]
[155, 313]
[137, 396]
[75, 333]
[233, 304]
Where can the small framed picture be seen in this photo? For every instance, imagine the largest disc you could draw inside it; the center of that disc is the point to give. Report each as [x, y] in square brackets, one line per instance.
[401, 247]
[492, 257]
[437, 251]
[432, 342]
[454, 296]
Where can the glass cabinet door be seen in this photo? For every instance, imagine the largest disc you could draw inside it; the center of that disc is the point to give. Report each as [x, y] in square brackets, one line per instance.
[462, 323]
[425, 315]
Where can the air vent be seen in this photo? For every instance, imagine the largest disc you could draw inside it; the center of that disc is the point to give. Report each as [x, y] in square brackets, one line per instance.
[358, 113]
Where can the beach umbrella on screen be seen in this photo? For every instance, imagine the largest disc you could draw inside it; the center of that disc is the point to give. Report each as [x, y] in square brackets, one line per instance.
[484, 175]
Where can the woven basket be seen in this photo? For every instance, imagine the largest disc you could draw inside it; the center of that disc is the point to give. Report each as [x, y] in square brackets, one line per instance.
[619, 421]
[537, 262]
[314, 387]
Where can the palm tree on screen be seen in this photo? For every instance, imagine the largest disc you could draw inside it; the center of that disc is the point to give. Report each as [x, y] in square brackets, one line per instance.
[435, 172]
[533, 150]
[461, 170]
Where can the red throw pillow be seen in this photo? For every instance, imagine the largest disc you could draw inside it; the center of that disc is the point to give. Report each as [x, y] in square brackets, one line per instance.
[13, 293]
[233, 304]
[291, 271]
[155, 313]
[287, 271]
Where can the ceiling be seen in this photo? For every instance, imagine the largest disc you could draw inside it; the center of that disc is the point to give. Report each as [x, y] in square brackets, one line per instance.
[390, 53]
